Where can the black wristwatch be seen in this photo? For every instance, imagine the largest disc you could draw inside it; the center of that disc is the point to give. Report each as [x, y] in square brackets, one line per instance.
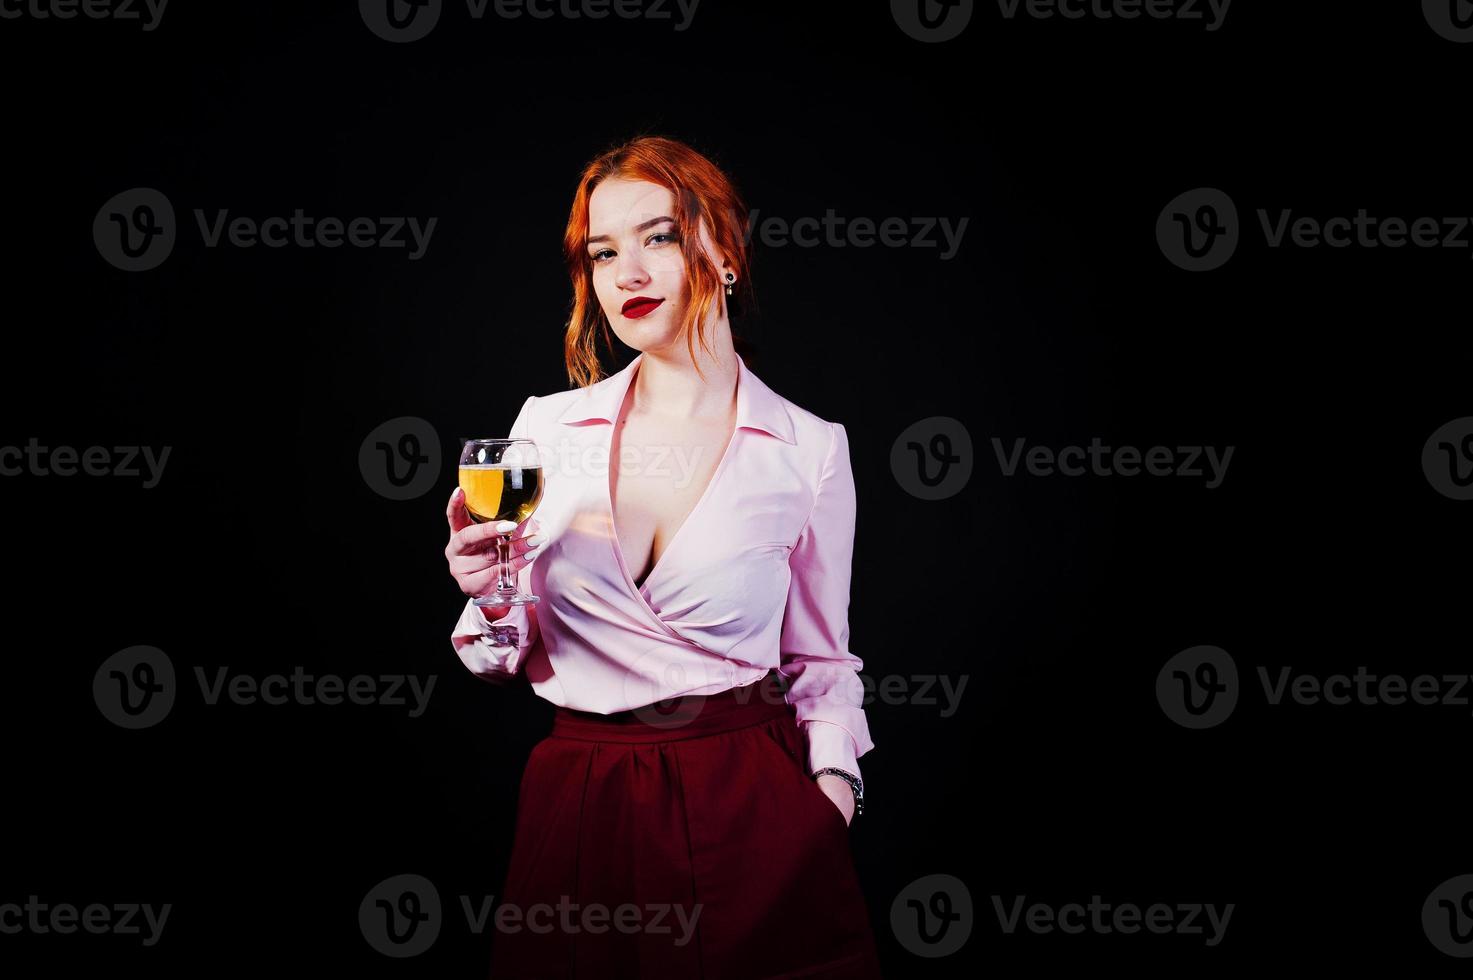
[855, 783]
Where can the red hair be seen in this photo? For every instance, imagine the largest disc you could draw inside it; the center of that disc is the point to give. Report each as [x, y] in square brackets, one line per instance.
[702, 192]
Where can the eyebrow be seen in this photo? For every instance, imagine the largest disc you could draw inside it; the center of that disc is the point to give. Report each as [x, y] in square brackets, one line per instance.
[639, 227]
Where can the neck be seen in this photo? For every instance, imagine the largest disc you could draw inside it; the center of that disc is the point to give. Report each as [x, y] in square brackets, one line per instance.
[666, 382]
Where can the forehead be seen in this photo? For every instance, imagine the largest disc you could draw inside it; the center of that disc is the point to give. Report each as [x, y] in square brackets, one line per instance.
[617, 204]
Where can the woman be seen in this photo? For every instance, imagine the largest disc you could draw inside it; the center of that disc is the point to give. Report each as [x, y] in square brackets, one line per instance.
[709, 571]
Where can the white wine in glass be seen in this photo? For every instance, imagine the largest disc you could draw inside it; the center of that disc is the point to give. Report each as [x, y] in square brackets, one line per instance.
[502, 481]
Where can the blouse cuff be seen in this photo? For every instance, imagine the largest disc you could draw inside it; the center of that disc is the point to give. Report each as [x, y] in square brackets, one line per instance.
[492, 649]
[830, 745]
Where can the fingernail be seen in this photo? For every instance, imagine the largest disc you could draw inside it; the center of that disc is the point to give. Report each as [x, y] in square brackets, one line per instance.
[506, 527]
[534, 541]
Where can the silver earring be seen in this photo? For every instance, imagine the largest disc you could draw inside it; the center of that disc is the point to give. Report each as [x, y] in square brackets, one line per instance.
[730, 278]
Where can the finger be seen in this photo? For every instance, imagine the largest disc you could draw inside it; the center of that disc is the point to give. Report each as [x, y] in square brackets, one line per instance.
[530, 543]
[485, 549]
[519, 553]
[466, 568]
[455, 512]
[473, 573]
[477, 537]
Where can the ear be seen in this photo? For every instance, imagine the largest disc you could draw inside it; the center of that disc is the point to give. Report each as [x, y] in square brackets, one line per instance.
[722, 268]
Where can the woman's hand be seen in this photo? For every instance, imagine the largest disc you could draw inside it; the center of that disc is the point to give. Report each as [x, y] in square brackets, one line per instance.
[840, 792]
[472, 555]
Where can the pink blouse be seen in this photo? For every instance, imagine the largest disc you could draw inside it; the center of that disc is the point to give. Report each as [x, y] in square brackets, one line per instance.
[756, 577]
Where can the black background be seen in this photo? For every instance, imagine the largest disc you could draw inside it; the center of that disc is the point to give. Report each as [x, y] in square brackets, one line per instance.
[1058, 599]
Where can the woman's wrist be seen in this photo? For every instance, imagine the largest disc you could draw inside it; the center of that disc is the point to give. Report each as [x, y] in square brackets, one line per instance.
[855, 784]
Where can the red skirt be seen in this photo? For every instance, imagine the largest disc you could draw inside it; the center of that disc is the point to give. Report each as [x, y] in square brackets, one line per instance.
[680, 842]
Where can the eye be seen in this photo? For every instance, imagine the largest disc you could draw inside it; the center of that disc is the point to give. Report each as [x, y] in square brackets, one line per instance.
[658, 238]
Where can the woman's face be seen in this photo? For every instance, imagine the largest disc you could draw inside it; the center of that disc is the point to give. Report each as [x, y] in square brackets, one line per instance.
[635, 254]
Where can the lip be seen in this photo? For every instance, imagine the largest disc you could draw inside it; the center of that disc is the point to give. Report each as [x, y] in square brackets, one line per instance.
[640, 305]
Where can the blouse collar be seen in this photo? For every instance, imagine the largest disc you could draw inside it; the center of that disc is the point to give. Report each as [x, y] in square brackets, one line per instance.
[757, 406]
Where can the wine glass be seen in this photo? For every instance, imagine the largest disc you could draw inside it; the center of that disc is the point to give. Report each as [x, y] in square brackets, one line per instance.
[502, 481]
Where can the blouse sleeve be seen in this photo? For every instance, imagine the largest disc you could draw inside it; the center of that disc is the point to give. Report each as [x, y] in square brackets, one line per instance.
[486, 647]
[823, 676]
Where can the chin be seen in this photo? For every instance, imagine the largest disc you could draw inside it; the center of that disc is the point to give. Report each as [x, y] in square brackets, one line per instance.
[647, 332]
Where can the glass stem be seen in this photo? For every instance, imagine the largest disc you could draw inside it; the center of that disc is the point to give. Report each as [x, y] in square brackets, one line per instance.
[506, 585]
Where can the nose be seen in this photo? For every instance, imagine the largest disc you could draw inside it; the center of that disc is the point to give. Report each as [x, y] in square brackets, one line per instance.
[631, 273]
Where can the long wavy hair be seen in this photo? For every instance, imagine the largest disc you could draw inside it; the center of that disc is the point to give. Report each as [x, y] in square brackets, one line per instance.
[701, 191]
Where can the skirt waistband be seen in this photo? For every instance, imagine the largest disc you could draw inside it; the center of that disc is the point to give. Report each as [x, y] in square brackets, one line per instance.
[687, 716]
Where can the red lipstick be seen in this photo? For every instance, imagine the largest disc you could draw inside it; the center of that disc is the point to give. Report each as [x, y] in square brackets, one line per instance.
[639, 306]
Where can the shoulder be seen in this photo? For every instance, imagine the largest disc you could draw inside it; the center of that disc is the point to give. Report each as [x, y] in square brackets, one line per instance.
[812, 430]
[824, 443]
[556, 400]
[548, 406]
